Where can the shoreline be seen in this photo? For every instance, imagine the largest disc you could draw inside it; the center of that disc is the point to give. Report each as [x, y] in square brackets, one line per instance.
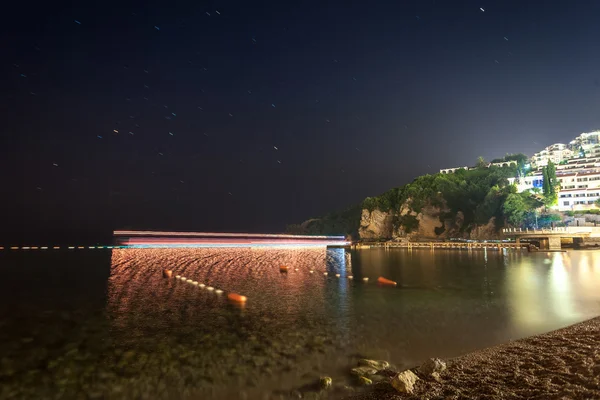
[564, 363]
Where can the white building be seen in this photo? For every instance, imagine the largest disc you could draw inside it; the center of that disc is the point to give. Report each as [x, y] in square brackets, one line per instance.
[498, 164]
[579, 164]
[586, 145]
[527, 182]
[503, 164]
[578, 190]
[578, 199]
[451, 170]
[556, 153]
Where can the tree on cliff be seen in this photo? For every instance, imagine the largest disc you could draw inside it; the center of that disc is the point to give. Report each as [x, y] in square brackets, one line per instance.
[519, 208]
[481, 163]
[550, 184]
[515, 209]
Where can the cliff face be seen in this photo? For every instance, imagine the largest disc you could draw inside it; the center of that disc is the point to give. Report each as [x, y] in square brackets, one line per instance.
[433, 223]
[375, 224]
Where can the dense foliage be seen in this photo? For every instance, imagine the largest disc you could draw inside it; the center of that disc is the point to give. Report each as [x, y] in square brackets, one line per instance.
[479, 194]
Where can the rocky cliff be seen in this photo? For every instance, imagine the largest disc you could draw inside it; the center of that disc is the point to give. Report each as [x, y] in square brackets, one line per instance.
[432, 223]
[465, 204]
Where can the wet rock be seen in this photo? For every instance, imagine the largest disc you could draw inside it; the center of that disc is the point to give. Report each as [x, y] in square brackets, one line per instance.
[363, 371]
[378, 365]
[404, 382]
[432, 365]
[364, 381]
[325, 382]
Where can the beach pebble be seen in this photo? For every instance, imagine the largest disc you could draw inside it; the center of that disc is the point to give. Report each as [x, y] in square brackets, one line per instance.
[404, 382]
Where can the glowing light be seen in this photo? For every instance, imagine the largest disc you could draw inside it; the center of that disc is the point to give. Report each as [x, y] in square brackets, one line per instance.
[56, 248]
[14, 248]
[25, 248]
[71, 247]
[91, 247]
[44, 248]
[34, 248]
[80, 247]
[213, 234]
[158, 239]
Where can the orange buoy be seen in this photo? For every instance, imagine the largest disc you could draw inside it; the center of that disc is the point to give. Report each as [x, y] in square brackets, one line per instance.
[283, 268]
[237, 298]
[385, 281]
[167, 273]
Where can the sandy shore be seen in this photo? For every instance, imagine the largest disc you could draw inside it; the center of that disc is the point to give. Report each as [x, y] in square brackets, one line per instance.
[563, 364]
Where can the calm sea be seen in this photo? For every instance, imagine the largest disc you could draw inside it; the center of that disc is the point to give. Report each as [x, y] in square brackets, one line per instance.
[106, 324]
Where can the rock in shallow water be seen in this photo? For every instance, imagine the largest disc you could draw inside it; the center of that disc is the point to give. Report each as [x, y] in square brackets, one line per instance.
[364, 381]
[325, 382]
[378, 365]
[404, 382]
[363, 371]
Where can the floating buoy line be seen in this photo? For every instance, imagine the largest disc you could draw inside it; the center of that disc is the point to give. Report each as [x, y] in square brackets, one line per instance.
[234, 297]
[62, 247]
[380, 280]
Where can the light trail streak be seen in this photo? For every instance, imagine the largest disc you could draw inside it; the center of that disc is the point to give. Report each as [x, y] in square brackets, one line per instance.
[224, 235]
[155, 239]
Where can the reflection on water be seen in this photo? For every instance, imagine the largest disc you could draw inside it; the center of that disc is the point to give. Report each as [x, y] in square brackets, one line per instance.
[109, 324]
[552, 287]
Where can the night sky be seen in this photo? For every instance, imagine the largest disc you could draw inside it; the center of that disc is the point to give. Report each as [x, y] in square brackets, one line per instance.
[247, 116]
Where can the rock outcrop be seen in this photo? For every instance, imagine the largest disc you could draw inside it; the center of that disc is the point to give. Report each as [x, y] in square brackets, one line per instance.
[431, 223]
[376, 224]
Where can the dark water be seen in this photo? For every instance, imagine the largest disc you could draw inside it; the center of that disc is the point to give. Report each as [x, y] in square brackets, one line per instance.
[105, 324]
